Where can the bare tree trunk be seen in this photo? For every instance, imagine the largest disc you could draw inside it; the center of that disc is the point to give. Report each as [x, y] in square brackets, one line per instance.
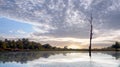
[91, 33]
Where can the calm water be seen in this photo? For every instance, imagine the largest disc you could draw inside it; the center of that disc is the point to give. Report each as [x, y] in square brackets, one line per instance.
[59, 59]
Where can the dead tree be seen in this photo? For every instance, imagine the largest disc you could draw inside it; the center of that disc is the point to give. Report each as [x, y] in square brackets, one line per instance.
[91, 34]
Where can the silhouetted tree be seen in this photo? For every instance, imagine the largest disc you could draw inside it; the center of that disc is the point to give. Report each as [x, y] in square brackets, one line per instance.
[31, 45]
[13, 44]
[1, 43]
[19, 44]
[47, 46]
[65, 47]
[25, 43]
[54, 47]
[4, 45]
[116, 46]
[91, 33]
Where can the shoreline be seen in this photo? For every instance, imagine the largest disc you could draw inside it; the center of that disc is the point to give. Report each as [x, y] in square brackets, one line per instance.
[59, 50]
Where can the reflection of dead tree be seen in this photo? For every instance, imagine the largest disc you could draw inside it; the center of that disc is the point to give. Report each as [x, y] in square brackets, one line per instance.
[91, 33]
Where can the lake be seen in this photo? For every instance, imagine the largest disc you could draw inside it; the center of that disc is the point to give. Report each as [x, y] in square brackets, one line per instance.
[59, 59]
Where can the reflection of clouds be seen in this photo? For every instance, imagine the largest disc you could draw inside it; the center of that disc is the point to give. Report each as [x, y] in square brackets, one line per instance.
[77, 64]
[76, 60]
[60, 59]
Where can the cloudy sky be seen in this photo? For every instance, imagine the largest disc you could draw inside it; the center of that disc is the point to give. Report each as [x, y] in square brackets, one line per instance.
[61, 22]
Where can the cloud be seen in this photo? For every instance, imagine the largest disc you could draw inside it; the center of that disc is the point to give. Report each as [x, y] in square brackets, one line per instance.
[17, 32]
[65, 19]
[21, 32]
[11, 31]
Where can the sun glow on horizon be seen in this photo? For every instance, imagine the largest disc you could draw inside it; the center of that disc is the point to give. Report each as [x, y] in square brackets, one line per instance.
[74, 46]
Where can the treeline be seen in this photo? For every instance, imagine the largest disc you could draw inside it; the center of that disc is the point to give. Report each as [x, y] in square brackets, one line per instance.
[115, 46]
[25, 44]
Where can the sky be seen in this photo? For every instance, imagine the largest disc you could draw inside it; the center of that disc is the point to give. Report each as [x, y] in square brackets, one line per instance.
[61, 22]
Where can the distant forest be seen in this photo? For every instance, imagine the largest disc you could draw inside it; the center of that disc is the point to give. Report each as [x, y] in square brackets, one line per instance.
[25, 44]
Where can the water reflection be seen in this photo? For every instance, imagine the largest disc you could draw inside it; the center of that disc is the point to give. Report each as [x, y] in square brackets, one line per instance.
[114, 54]
[23, 57]
[60, 59]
